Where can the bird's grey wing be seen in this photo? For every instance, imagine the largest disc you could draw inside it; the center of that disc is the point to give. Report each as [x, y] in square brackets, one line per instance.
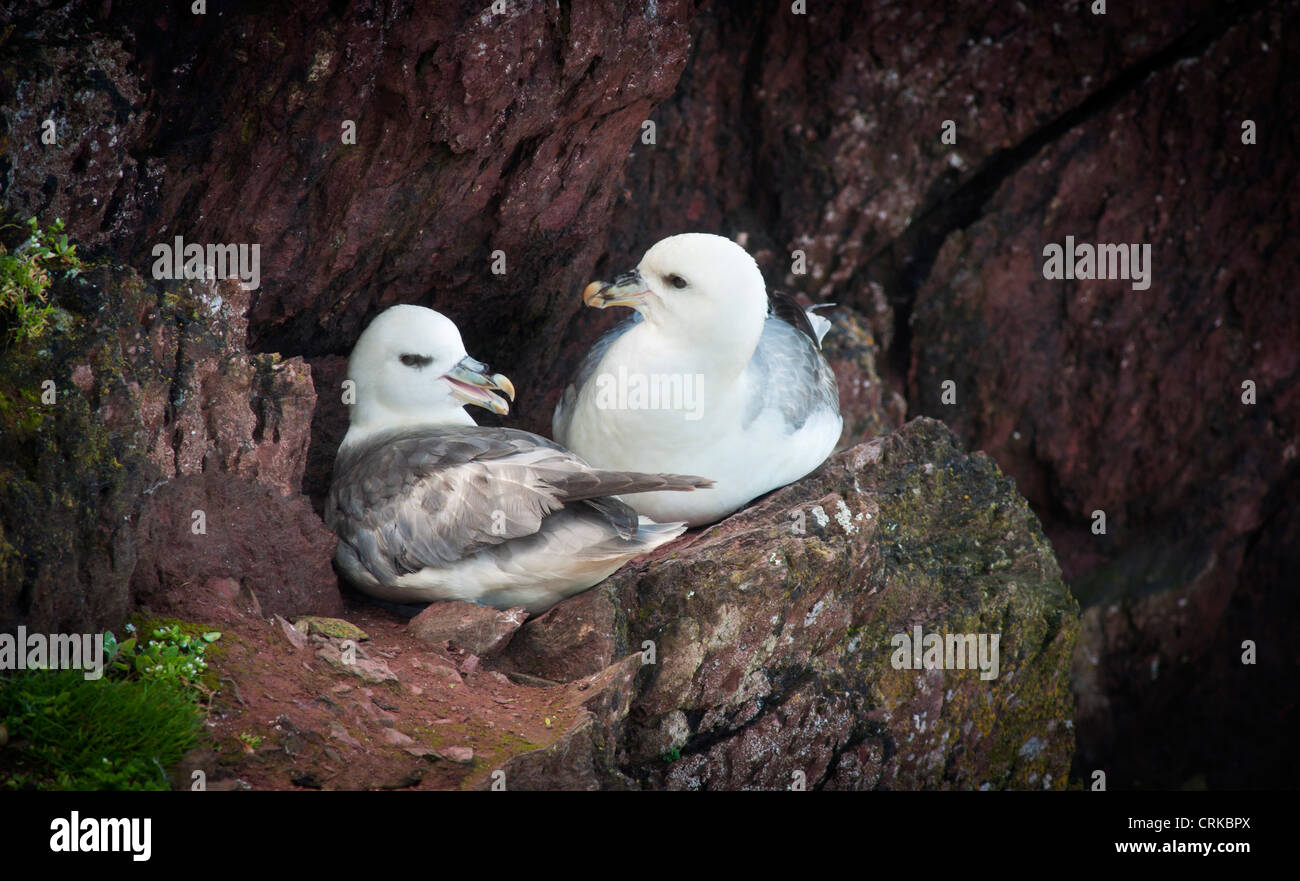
[576, 482]
[408, 500]
[789, 374]
[586, 368]
[565, 472]
[416, 498]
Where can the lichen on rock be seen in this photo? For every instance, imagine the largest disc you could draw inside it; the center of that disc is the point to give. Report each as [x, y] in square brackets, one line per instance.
[772, 637]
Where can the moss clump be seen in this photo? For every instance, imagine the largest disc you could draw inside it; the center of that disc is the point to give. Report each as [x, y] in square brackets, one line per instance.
[121, 731]
[63, 466]
[70, 733]
[333, 627]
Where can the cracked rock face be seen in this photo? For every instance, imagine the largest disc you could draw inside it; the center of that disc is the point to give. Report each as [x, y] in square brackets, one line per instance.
[167, 463]
[773, 638]
[1098, 396]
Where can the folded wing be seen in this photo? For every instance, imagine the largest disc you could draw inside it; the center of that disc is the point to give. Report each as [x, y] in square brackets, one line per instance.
[417, 498]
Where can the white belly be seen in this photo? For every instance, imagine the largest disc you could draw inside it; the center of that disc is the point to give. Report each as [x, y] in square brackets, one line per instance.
[743, 463]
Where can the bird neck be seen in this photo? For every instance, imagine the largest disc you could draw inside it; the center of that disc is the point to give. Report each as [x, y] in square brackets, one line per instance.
[372, 418]
[718, 351]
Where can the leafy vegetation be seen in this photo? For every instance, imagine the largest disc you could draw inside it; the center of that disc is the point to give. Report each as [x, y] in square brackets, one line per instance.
[25, 275]
[122, 731]
[170, 654]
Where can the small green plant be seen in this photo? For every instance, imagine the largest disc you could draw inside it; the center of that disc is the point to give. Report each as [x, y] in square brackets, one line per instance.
[170, 654]
[25, 276]
[118, 732]
[251, 741]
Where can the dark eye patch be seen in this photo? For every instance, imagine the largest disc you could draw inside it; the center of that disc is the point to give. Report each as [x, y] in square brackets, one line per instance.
[417, 361]
[677, 281]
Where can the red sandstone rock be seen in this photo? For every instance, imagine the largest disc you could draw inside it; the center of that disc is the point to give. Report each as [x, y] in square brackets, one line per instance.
[479, 630]
[270, 545]
[763, 644]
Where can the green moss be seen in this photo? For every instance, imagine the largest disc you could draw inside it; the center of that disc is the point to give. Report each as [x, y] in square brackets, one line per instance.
[459, 734]
[60, 466]
[513, 744]
[332, 627]
[71, 733]
[121, 731]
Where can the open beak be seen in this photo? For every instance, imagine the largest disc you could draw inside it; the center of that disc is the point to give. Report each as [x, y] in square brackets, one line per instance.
[471, 383]
[629, 289]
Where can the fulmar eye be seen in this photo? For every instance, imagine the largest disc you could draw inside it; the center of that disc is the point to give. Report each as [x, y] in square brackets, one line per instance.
[417, 361]
[677, 281]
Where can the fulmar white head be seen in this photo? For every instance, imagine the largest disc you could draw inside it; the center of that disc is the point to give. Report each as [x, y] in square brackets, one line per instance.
[410, 368]
[698, 291]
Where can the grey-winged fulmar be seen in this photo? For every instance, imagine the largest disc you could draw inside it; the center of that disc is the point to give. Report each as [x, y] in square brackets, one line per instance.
[430, 506]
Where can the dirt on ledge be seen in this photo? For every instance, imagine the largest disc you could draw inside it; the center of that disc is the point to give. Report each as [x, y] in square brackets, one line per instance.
[285, 718]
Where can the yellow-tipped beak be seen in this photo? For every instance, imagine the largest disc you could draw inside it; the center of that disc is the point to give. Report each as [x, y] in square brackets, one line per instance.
[627, 290]
[471, 384]
[499, 380]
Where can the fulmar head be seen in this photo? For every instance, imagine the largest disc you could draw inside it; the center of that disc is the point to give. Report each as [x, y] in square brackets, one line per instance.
[692, 286]
[410, 368]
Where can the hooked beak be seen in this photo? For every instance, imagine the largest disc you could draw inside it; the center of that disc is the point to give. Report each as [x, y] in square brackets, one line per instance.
[471, 383]
[629, 289]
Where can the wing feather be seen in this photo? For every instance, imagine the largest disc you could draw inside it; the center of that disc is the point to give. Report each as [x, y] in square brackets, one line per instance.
[789, 373]
[415, 498]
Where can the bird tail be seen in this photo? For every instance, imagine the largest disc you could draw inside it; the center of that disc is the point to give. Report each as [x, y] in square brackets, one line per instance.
[651, 535]
[624, 482]
[820, 325]
[641, 536]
